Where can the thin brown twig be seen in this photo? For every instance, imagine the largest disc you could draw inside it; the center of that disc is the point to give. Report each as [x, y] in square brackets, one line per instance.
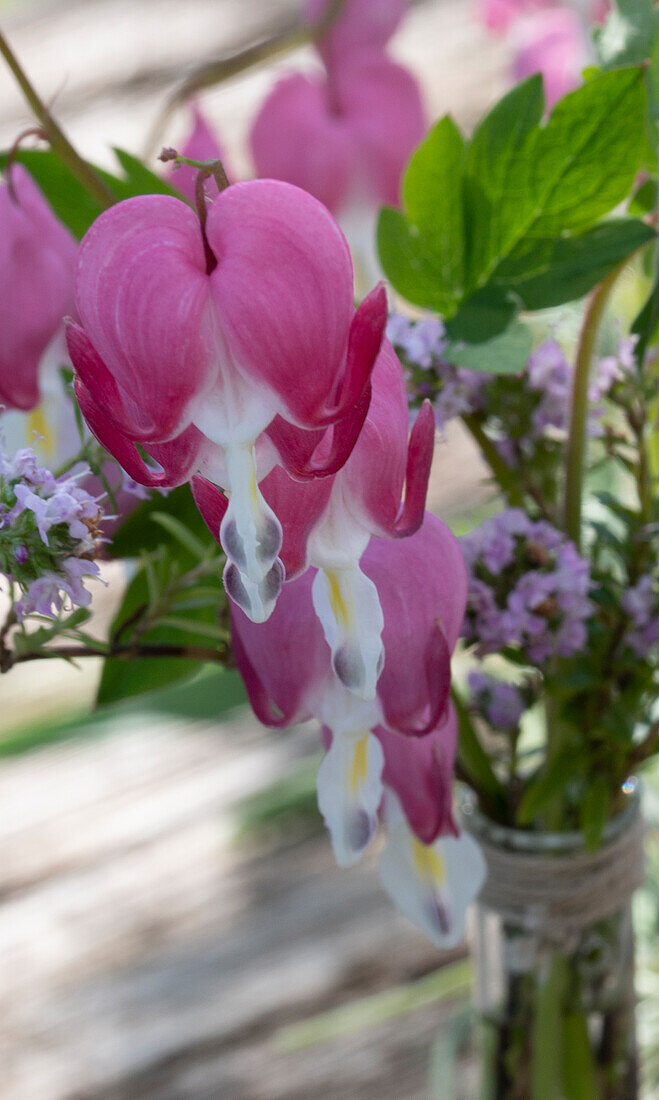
[212, 73]
[60, 144]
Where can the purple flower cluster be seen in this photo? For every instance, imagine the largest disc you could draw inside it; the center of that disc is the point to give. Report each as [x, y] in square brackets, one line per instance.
[422, 346]
[641, 603]
[49, 530]
[528, 589]
[501, 704]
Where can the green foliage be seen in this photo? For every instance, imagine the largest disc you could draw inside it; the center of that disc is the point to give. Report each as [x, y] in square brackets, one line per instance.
[70, 200]
[510, 219]
[506, 353]
[175, 598]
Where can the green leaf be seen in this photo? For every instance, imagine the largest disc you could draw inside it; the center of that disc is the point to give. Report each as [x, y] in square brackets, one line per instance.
[484, 315]
[69, 199]
[646, 323]
[553, 272]
[589, 152]
[531, 195]
[499, 178]
[475, 762]
[645, 199]
[594, 811]
[139, 533]
[504, 354]
[181, 534]
[138, 179]
[123, 678]
[410, 265]
[549, 783]
[432, 193]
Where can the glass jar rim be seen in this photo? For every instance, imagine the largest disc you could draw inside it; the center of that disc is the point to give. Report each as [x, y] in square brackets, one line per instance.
[478, 824]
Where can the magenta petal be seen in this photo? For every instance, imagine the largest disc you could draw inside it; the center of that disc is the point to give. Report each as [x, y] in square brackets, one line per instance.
[422, 583]
[311, 455]
[211, 502]
[178, 457]
[128, 418]
[551, 42]
[364, 343]
[375, 473]
[297, 138]
[283, 292]
[298, 507]
[420, 771]
[285, 660]
[144, 301]
[419, 461]
[37, 258]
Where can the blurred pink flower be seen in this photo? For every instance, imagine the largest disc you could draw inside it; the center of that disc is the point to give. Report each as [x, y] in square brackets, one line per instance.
[362, 25]
[346, 136]
[551, 42]
[500, 15]
[37, 258]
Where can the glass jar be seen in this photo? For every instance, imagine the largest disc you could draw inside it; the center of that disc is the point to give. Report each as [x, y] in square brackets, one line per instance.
[553, 952]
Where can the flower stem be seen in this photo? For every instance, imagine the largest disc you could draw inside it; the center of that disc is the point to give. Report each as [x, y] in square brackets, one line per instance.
[60, 144]
[576, 444]
[504, 476]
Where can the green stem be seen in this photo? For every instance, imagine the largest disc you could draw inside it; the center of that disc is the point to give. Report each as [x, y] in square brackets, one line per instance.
[60, 144]
[505, 478]
[576, 444]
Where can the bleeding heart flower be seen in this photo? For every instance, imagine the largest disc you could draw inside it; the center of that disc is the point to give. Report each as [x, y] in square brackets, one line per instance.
[288, 671]
[500, 15]
[346, 137]
[432, 884]
[201, 144]
[192, 345]
[328, 523]
[37, 258]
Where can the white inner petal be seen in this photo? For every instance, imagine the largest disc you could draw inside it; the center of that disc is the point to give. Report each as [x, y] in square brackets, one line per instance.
[233, 416]
[348, 606]
[349, 793]
[432, 884]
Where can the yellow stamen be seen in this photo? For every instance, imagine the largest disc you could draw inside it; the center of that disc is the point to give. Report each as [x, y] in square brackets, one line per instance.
[340, 609]
[427, 862]
[359, 769]
[37, 422]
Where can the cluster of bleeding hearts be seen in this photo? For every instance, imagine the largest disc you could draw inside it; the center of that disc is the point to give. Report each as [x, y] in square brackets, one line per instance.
[236, 359]
[233, 357]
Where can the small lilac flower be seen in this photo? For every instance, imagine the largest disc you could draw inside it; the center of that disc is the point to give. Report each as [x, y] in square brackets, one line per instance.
[528, 588]
[500, 703]
[641, 603]
[423, 347]
[48, 535]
